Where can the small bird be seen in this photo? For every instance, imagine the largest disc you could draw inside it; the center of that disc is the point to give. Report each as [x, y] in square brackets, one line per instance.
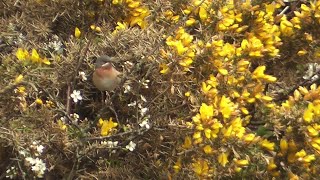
[105, 76]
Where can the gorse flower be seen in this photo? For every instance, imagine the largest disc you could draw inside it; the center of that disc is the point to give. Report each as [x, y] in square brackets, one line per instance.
[107, 126]
[24, 56]
[77, 32]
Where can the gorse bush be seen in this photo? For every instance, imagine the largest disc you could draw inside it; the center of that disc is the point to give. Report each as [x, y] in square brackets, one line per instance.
[209, 89]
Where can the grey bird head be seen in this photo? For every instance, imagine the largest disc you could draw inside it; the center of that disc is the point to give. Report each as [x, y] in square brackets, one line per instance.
[102, 60]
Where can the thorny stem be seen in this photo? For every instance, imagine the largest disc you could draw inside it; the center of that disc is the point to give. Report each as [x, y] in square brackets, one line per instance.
[72, 80]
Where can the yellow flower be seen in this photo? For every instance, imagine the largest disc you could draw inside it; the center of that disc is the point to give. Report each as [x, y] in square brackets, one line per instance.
[309, 158]
[267, 145]
[22, 54]
[208, 149]
[266, 98]
[207, 133]
[21, 89]
[107, 126]
[62, 125]
[134, 4]
[223, 71]
[206, 112]
[244, 110]
[177, 166]
[187, 142]
[223, 159]
[100, 122]
[203, 14]
[241, 162]
[312, 132]
[95, 28]
[283, 146]
[77, 32]
[302, 52]
[165, 68]
[286, 27]
[38, 101]
[46, 61]
[121, 26]
[303, 90]
[180, 48]
[186, 62]
[197, 135]
[308, 113]
[301, 154]
[248, 138]
[190, 22]
[18, 79]
[258, 72]
[271, 165]
[115, 2]
[269, 78]
[226, 107]
[35, 56]
[200, 167]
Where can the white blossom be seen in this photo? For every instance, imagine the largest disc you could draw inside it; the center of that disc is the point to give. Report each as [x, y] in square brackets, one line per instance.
[143, 111]
[143, 98]
[145, 83]
[83, 76]
[75, 117]
[131, 146]
[76, 96]
[313, 68]
[127, 88]
[110, 144]
[145, 123]
[40, 149]
[55, 44]
[30, 160]
[23, 152]
[134, 103]
[63, 119]
[39, 167]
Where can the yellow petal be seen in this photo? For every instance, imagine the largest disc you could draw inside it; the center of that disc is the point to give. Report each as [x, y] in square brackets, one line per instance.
[77, 32]
[203, 14]
[223, 159]
[18, 79]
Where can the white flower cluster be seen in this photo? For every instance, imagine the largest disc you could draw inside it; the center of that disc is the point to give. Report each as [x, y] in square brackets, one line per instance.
[145, 123]
[75, 117]
[110, 144]
[11, 173]
[127, 88]
[143, 112]
[37, 165]
[145, 83]
[56, 45]
[131, 146]
[313, 68]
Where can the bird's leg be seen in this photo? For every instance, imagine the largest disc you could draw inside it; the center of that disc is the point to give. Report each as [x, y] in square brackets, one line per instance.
[109, 104]
[106, 98]
[102, 97]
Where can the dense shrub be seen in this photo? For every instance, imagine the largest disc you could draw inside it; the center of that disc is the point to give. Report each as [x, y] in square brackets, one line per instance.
[209, 89]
